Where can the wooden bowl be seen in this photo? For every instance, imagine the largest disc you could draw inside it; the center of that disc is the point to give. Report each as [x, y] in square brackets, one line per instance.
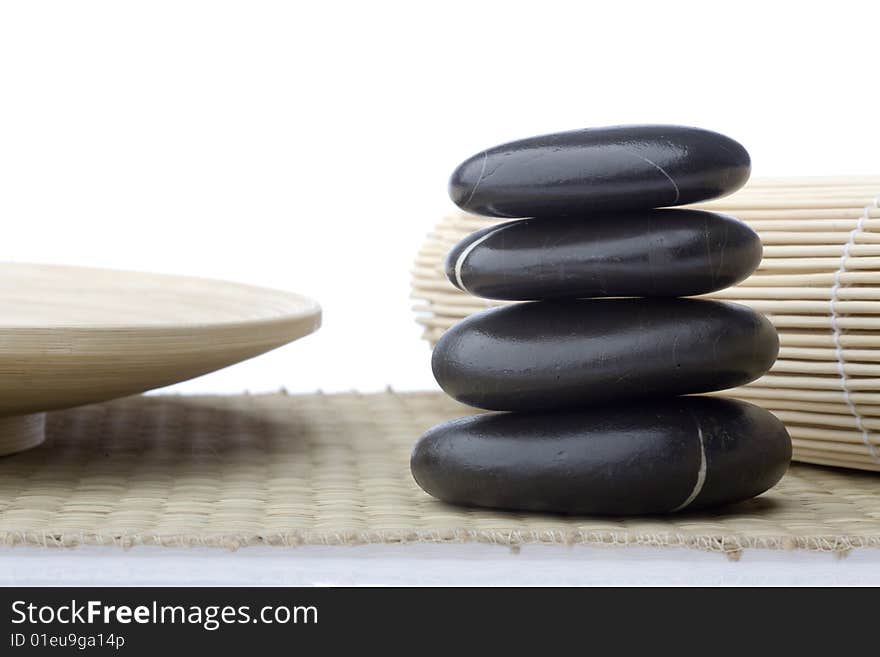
[73, 335]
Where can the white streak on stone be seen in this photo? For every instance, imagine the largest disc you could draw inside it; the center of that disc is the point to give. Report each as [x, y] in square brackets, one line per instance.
[661, 170]
[459, 263]
[701, 474]
[479, 178]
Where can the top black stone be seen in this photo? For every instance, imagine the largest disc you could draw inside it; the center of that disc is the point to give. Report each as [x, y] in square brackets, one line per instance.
[600, 169]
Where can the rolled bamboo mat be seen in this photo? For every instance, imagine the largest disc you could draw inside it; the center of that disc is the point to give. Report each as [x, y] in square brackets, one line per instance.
[819, 283]
[284, 470]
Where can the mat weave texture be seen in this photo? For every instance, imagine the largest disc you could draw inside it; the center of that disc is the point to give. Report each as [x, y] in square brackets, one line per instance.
[334, 469]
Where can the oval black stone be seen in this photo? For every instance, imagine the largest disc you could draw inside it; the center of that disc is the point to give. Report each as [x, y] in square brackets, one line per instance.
[597, 169]
[554, 354]
[650, 253]
[657, 457]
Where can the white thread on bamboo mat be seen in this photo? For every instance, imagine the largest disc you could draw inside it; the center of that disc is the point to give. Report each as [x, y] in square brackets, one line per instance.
[836, 334]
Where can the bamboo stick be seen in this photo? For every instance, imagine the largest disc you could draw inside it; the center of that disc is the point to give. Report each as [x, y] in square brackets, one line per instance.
[815, 182]
[826, 420]
[805, 225]
[786, 202]
[815, 353]
[807, 395]
[821, 433]
[786, 293]
[816, 383]
[819, 278]
[839, 459]
[811, 321]
[821, 367]
[847, 451]
[815, 250]
[822, 448]
[838, 463]
[774, 405]
[806, 264]
[789, 338]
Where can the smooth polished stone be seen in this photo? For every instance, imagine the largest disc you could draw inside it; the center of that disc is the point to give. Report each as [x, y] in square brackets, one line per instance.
[652, 253]
[598, 169]
[554, 354]
[657, 457]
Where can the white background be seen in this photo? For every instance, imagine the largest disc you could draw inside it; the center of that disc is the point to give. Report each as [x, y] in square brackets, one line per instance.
[307, 146]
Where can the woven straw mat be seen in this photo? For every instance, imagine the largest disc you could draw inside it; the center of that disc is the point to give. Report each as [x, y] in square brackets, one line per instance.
[334, 469]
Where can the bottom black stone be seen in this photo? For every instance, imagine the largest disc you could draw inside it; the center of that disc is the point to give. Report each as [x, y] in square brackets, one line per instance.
[657, 457]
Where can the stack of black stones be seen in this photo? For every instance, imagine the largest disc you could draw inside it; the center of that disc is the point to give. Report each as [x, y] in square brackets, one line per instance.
[592, 370]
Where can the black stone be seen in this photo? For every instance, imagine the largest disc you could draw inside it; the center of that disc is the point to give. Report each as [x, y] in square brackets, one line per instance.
[657, 457]
[553, 354]
[599, 169]
[650, 253]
